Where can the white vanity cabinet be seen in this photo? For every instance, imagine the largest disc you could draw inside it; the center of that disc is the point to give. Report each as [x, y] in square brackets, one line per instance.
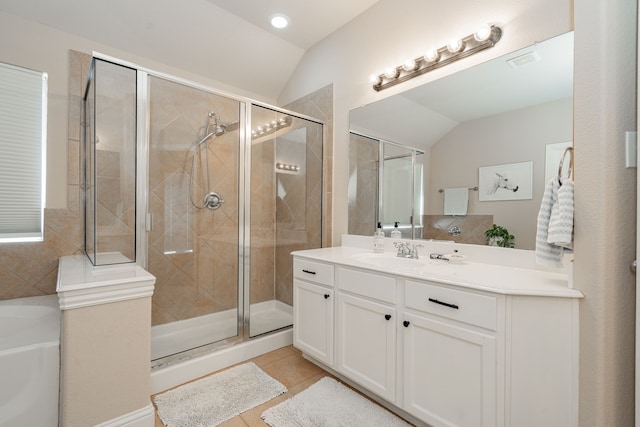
[366, 330]
[313, 309]
[485, 346]
[449, 374]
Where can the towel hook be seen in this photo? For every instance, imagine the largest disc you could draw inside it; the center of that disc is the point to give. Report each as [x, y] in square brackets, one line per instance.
[570, 171]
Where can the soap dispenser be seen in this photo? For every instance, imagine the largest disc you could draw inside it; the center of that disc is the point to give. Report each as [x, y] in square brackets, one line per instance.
[378, 240]
[396, 234]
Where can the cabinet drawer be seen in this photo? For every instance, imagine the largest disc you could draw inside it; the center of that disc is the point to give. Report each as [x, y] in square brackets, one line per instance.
[466, 307]
[313, 271]
[374, 286]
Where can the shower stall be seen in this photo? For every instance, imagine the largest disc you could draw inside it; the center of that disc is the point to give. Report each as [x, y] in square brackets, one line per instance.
[385, 186]
[210, 192]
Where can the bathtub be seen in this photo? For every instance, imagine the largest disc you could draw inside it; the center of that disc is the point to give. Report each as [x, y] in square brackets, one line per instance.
[29, 361]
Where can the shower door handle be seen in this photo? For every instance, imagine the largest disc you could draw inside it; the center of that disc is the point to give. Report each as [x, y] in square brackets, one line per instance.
[148, 222]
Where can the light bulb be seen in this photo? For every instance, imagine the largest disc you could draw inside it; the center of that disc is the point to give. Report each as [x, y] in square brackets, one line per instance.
[409, 65]
[375, 79]
[391, 73]
[279, 21]
[483, 33]
[455, 46]
[431, 56]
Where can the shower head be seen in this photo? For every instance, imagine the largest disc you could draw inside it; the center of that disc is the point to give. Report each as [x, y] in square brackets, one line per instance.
[218, 127]
[230, 126]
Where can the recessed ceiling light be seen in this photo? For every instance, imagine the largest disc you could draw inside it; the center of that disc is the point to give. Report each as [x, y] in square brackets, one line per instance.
[279, 21]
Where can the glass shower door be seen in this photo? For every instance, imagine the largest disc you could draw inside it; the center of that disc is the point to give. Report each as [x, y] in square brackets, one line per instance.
[193, 244]
[397, 202]
[285, 211]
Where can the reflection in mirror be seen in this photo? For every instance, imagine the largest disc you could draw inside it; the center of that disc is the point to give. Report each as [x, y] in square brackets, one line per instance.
[502, 112]
[388, 193]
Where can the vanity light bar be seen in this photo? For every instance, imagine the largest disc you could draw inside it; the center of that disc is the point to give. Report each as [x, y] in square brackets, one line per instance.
[286, 167]
[456, 49]
[271, 127]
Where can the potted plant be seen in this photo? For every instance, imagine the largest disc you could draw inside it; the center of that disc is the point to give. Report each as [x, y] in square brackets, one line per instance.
[499, 236]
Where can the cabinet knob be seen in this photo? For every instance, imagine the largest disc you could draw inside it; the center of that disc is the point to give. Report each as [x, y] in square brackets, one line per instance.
[406, 323]
[326, 296]
[387, 316]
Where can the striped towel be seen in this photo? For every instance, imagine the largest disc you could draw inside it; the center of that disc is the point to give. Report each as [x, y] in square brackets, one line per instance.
[561, 221]
[546, 253]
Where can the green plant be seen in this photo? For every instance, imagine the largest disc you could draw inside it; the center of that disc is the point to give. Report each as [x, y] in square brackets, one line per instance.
[500, 235]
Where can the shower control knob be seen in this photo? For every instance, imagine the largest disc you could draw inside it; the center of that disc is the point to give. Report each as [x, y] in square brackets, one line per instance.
[213, 200]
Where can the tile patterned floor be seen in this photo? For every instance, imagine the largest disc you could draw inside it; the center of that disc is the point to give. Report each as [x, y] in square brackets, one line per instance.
[285, 365]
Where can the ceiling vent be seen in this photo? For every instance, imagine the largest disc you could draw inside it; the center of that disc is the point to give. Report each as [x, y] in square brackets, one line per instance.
[522, 60]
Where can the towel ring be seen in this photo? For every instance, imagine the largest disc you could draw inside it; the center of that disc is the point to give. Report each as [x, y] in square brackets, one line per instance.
[564, 154]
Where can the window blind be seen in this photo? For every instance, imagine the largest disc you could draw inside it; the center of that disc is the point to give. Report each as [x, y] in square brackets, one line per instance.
[23, 124]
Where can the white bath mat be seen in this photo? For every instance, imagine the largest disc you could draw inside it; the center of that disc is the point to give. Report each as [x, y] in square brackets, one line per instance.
[214, 399]
[328, 403]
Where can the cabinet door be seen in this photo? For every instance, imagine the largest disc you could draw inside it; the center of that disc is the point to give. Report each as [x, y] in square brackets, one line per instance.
[313, 320]
[449, 373]
[366, 345]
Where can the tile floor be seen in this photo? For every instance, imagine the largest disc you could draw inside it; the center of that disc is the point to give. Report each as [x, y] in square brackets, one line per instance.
[285, 365]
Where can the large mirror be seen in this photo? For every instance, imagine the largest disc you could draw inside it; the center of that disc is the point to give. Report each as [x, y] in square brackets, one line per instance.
[491, 135]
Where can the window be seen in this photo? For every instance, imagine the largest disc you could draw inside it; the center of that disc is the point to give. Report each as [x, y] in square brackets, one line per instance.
[23, 128]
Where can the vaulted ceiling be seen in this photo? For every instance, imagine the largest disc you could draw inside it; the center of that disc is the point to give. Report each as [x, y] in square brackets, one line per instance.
[226, 40]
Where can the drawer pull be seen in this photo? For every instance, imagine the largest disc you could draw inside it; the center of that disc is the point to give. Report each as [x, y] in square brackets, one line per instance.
[387, 316]
[406, 323]
[326, 296]
[309, 272]
[446, 304]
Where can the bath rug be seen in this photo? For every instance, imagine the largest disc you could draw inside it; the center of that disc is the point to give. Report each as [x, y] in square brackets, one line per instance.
[329, 403]
[217, 398]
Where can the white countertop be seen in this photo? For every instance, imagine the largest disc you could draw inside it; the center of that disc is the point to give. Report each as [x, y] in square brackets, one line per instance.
[501, 279]
[80, 284]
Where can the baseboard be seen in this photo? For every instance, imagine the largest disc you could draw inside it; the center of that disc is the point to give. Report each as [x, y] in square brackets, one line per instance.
[144, 417]
[163, 378]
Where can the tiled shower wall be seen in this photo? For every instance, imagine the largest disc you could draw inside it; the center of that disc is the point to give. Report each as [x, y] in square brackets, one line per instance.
[192, 252]
[302, 232]
[471, 227]
[363, 184]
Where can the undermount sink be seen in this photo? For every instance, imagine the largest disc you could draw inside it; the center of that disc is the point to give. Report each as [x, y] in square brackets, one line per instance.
[390, 260]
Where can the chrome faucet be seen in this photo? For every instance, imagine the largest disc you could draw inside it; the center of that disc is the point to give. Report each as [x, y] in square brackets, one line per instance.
[407, 250]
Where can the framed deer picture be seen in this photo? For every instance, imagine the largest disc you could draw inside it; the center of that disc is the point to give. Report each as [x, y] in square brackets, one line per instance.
[513, 181]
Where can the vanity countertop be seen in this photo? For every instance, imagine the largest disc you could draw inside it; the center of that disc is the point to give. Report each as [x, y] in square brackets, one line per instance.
[468, 274]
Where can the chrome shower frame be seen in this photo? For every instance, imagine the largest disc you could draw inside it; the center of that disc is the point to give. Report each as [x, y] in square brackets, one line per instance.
[144, 219]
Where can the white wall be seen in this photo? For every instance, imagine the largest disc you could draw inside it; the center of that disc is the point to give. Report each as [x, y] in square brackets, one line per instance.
[605, 204]
[604, 107]
[29, 44]
[392, 31]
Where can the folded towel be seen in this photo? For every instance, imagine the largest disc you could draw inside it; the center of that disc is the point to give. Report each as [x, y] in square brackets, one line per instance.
[546, 253]
[561, 220]
[456, 201]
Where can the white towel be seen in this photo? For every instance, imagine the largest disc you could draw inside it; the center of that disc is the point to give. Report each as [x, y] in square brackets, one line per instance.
[456, 201]
[546, 253]
[561, 221]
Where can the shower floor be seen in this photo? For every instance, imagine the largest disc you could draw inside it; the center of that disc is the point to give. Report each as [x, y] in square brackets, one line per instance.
[175, 337]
